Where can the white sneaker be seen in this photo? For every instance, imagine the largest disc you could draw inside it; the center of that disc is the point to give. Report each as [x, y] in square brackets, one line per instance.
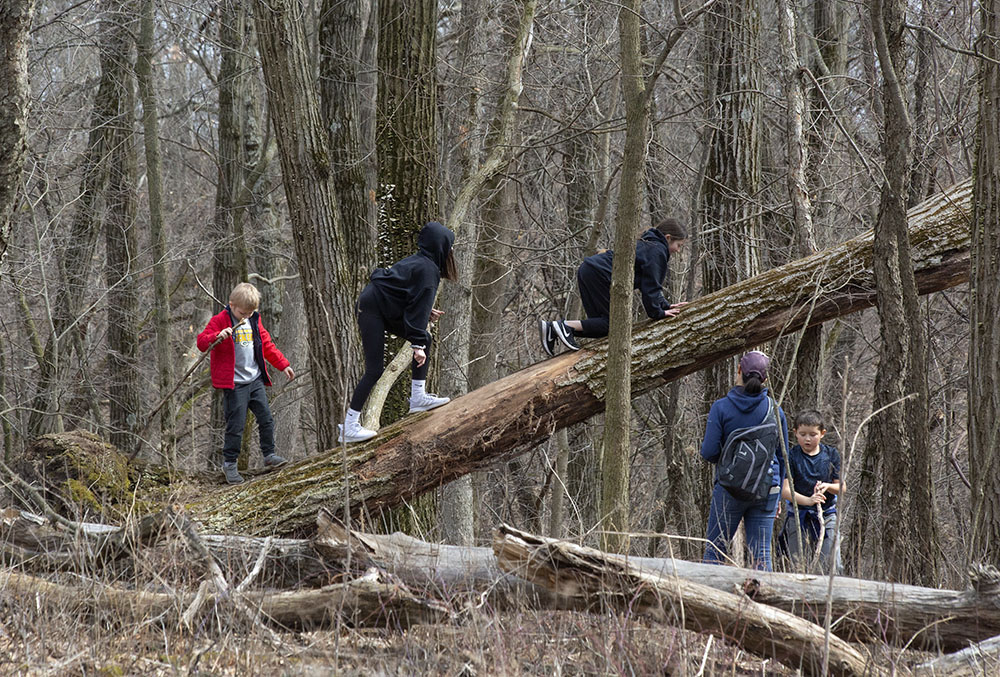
[353, 432]
[426, 402]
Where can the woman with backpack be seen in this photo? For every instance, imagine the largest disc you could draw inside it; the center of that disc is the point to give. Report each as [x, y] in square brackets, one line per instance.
[743, 438]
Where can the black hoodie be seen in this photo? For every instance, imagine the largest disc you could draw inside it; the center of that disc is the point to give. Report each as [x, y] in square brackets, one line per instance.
[652, 255]
[406, 290]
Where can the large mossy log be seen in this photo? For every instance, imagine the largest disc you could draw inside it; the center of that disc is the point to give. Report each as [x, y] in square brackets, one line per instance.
[514, 413]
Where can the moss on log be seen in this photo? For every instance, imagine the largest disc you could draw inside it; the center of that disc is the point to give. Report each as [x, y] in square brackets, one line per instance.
[515, 413]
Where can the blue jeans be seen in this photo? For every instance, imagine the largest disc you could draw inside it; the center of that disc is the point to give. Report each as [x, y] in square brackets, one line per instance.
[724, 518]
[235, 403]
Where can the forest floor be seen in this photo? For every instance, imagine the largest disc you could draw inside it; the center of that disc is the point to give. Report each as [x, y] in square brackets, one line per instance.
[35, 640]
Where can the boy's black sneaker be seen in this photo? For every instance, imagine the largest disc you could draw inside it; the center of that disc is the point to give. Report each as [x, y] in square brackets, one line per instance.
[547, 337]
[564, 334]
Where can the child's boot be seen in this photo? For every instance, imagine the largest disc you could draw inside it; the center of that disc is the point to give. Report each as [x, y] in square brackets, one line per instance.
[565, 334]
[232, 474]
[273, 461]
[547, 336]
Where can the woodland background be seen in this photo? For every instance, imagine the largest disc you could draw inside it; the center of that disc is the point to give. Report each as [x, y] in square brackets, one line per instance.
[168, 150]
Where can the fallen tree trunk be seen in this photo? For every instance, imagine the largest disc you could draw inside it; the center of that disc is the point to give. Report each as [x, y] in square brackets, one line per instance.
[612, 580]
[517, 412]
[980, 659]
[373, 599]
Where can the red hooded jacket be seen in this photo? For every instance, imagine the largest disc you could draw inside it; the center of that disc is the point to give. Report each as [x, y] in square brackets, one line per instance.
[223, 357]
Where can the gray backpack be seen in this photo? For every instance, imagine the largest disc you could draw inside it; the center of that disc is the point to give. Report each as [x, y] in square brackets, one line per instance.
[744, 466]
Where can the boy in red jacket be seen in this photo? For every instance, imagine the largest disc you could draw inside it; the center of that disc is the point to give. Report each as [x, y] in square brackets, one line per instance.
[238, 369]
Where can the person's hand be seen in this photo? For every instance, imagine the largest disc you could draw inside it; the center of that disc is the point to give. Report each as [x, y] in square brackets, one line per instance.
[226, 333]
[671, 312]
[679, 304]
[822, 487]
[287, 371]
[817, 499]
[436, 315]
[419, 356]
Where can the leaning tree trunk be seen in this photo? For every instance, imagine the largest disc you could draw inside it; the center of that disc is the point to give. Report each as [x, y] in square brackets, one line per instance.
[523, 409]
[317, 228]
[15, 20]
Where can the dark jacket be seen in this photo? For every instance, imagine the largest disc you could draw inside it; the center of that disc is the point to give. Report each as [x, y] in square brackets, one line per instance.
[652, 255]
[223, 358]
[739, 410]
[406, 290]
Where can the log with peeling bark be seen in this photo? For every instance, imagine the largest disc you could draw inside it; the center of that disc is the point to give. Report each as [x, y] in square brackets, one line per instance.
[373, 600]
[514, 413]
[613, 580]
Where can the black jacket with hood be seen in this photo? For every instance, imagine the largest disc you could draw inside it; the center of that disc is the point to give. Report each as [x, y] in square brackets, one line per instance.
[406, 290]
[652, 256]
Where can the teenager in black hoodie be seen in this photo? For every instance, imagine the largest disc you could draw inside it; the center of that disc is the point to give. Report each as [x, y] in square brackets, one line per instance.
[593, 277]
[400, 300]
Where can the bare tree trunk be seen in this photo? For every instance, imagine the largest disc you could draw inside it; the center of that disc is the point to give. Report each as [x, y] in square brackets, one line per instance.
[348, 89]
[984, 346]
[614, 517]
[317, 227]
[15, 20]
[900, 434]
[121, 240]
[521, 410]
[158, 238]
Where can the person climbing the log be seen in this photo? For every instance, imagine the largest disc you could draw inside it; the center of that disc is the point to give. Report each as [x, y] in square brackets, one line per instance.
[593, 278]
[742, 440]
[400, 300]
[238, 369]
[815, 485]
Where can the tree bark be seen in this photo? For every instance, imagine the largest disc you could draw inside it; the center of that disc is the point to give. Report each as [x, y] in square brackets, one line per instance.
[15, 21]
[616, 582]
[157, 236]
[317, 226]
[984, 345]
[521, 410]
[121, 238]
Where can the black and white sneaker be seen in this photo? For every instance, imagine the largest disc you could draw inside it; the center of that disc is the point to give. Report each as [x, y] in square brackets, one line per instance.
[547, 337]
[564, 334]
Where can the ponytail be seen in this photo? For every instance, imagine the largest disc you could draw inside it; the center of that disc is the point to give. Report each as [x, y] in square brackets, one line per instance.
[752, 383]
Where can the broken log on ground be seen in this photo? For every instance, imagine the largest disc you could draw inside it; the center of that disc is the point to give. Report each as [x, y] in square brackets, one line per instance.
[514, 413]
[613, 581]
[982, 658]
[372, 600]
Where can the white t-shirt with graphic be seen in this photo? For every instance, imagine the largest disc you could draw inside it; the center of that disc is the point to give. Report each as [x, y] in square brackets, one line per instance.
[245, 369]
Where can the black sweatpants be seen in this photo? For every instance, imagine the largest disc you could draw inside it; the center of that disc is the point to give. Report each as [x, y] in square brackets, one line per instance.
[235, 403]
[373, 328]
[595, 293]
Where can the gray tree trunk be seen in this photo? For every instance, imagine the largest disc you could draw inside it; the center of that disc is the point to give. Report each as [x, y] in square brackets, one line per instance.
[15, 20]
[121, 238]
[317, 227]
[984, 346]
[157, 235]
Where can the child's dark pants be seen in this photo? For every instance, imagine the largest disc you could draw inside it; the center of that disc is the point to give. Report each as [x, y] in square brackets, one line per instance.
[595, 293]
[235, 403]
[373, 327]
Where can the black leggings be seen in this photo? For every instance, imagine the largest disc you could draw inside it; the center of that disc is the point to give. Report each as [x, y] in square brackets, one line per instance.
[595, 293]
[373, 328]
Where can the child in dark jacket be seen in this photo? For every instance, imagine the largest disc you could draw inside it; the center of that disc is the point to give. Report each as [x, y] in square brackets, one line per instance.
[238, 369]
[815, 485]
[400, 300]
[593, 278]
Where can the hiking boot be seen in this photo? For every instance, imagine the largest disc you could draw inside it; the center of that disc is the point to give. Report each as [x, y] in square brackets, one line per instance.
[426, 402]
[547, 337]
[273, 461]
[232, 474]
[353, 432]
[564, 334]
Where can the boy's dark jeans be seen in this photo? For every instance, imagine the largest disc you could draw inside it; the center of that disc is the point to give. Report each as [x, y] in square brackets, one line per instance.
[235, 403]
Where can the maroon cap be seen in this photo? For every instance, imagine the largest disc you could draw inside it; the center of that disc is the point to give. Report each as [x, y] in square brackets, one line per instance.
[755, 362]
